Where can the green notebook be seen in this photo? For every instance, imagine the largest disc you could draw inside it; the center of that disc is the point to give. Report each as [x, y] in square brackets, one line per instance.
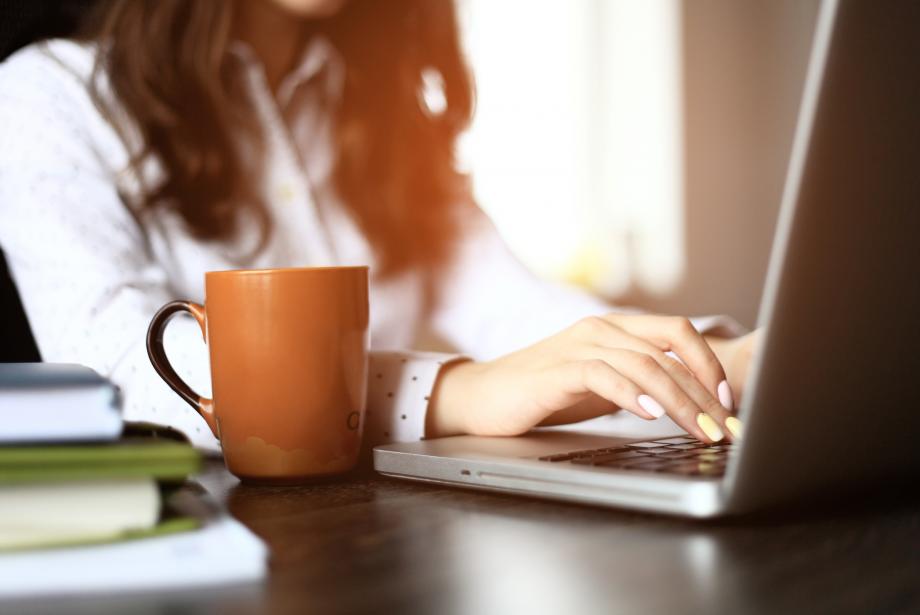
[163, 460]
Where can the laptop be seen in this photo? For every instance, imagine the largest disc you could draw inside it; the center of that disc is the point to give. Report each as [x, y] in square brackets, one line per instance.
[833, 403]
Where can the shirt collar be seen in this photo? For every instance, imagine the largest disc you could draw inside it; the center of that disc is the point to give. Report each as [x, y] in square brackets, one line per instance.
[320, 63]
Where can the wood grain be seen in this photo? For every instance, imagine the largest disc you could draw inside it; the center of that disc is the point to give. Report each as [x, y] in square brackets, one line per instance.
[370, 544]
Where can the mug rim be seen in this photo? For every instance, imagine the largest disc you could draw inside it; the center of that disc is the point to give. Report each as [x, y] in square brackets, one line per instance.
[286, 270]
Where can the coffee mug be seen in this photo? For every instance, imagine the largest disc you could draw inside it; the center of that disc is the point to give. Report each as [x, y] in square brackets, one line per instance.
[288, 351]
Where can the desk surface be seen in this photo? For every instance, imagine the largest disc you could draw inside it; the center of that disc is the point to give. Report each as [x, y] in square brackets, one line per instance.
[370, 544]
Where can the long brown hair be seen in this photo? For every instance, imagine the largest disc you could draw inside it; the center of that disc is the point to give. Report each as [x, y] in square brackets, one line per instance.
[168, 67]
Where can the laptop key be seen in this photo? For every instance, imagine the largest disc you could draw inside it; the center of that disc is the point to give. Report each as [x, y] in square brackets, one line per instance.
[678, 455]
[658, 451]
[558, 457]
[612, 449]
[678, 440]
[597, 459]
[631, 454]
[644, 444]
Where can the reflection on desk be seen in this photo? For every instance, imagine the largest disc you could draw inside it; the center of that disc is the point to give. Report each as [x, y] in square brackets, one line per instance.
[369, 544]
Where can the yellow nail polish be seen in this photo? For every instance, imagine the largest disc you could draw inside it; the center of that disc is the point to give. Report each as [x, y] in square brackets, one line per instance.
[735, 426]
[709, 427]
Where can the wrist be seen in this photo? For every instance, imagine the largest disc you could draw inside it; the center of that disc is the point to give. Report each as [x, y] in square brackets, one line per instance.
[730, 352]
[722, 347]
[447, 405]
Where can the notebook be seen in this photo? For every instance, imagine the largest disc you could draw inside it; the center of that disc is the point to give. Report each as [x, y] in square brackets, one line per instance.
[195, 543]
[76, 494]
[222, 551]
[44, 402]
[35, 515]
[129, 458]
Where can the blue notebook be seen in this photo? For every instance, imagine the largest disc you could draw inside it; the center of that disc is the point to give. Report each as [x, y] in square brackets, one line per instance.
[57, 402]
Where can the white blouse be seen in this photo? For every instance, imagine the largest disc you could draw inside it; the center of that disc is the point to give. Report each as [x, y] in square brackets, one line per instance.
[91, 274]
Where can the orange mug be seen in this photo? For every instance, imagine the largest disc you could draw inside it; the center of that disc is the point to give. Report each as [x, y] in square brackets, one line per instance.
[288, 352]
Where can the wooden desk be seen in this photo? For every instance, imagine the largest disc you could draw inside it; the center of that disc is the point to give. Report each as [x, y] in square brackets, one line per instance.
[369, 544]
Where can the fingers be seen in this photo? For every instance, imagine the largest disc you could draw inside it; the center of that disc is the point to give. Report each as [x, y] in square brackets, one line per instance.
[598, 333]
[677, 334]
[668, 391]
[682, 376]
[600, 378]
[706, 402]
[690, 392]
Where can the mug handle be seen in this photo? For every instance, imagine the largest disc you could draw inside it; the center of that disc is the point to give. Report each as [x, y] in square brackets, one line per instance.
[157, 354]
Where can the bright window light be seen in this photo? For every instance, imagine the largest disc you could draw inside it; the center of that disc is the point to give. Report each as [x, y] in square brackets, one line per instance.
[576, 150]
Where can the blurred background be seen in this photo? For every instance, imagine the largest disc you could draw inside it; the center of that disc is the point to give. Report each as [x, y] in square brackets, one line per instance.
[638, 147]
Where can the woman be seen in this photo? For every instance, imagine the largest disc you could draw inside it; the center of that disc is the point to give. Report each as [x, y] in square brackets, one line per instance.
[174, 137]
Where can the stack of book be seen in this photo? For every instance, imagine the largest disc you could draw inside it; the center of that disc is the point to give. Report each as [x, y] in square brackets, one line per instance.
[85, 507]
[61, 495]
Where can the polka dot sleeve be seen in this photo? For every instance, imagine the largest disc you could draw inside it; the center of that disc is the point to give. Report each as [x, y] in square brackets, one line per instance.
[399, 387]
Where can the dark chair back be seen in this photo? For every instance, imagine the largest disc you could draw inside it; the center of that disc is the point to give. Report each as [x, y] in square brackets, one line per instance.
[25, 21]
[16, 342]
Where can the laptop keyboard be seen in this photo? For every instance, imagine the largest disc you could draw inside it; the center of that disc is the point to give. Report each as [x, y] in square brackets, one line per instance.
[682, 455]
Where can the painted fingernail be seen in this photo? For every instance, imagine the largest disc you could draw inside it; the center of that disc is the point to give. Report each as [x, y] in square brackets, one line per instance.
[735, 426]
[709, 427]
[725, 395]
[651, 406]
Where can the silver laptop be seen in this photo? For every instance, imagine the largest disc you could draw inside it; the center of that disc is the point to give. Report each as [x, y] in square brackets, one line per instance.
[834, 400]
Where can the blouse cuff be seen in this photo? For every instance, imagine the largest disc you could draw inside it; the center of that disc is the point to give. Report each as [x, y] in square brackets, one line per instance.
[399, 387]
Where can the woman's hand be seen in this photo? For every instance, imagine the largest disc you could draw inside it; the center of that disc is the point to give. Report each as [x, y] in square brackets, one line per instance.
[592, 368]
[735, 355]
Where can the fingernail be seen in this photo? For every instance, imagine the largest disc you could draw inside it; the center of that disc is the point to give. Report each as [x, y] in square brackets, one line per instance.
[725, 395]
[735, 426]
[651, 406]
[709, 427]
